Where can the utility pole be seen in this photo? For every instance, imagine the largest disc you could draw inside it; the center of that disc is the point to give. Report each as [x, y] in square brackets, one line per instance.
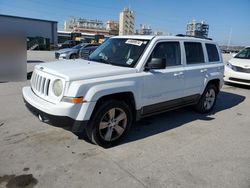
[229, 38]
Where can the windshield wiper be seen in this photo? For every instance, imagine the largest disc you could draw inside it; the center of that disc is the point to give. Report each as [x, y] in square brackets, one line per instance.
[101, 61]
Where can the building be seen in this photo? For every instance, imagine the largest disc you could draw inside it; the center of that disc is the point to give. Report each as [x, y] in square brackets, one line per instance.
[145, 30]
[113, 27]
[127, 22]
[31, 27]
[83, 25]
[199, 29]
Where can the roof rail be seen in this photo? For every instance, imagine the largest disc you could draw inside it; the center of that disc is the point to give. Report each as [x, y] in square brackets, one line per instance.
[200, 37]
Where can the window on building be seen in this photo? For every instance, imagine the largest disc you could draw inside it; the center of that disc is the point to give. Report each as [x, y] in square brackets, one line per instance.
[212, 53]
[194, 52]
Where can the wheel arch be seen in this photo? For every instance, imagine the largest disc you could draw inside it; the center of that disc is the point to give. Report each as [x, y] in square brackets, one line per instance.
[123, 91]
[216, 83]
[126, 96]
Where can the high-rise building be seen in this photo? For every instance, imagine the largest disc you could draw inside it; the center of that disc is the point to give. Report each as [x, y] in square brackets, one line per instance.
[199, 29]
[127, 22]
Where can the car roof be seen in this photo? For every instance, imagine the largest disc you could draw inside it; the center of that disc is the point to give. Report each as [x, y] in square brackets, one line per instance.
[89, 47]
[159, 37]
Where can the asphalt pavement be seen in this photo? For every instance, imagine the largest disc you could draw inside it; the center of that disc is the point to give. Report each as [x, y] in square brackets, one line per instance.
[176, 149]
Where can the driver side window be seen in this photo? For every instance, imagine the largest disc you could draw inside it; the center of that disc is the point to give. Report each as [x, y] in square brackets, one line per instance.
[169, 52]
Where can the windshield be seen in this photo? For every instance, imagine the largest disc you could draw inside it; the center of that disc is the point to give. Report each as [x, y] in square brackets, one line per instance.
[79, 46]
[120, 52]
[244, 54]
[67, 42]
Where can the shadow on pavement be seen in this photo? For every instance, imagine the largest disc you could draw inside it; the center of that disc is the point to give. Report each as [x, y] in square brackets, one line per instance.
[169, 120]
[160, 123]
[29, 74]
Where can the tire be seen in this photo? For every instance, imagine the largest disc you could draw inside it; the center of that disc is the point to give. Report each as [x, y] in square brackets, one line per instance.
[207, 100]
[73, 56]
[105, 129]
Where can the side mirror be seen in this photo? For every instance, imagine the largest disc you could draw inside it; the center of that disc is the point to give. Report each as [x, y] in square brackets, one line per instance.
[156, 63]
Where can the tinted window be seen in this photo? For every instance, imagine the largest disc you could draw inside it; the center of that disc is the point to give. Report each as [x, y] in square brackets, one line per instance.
[244, 54]
[194, 52]
[212, 53]
[169, 51]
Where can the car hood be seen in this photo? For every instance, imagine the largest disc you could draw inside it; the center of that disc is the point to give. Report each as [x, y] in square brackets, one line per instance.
[65, 50]
[245, 63]
[82, 69]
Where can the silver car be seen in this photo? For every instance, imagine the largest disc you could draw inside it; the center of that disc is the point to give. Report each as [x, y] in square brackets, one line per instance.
[71, 53]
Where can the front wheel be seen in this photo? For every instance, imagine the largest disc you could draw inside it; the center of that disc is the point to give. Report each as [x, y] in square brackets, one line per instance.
[73, 56]
[207, 100]
[110, 123]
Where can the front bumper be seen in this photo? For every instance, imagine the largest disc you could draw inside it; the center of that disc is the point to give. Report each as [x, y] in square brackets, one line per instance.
[236, 77]
[63, 114]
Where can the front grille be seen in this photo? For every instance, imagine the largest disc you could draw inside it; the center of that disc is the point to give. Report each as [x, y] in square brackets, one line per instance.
[40, 84]
[239, 80]
[57, 55]
[241, 69]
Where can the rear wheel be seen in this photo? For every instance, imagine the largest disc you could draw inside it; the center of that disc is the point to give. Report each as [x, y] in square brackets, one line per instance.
[207, 100]
[110, 123]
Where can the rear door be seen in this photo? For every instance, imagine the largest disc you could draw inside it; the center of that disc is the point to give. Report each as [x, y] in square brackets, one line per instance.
[215, 65]
[195, 69]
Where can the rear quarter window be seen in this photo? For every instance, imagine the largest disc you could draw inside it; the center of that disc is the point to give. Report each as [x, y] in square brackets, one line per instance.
[212, 53]
[194, 52]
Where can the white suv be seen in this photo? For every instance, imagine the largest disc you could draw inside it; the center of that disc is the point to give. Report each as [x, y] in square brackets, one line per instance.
[125, 79]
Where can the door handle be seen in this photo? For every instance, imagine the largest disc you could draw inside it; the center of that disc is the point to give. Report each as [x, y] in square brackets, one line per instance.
[178, 73]
[203, 70]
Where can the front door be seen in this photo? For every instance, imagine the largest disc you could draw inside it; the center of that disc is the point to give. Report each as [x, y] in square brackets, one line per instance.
[163, 85]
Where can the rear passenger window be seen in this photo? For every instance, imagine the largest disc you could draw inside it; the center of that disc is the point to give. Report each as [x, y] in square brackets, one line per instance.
[194, 52]
[169, 51]
[212, 53]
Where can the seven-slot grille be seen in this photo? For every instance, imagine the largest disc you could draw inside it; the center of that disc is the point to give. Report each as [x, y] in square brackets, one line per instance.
[40, 84]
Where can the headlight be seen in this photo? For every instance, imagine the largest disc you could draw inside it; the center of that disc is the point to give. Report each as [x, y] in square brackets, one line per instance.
[229, 65]
[58, 87]
[64, 54]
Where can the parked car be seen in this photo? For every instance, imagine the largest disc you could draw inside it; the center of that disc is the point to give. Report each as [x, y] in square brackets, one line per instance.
[237, 70]
[85, 52]
[71, 53]
[68, 44]
[127, 78]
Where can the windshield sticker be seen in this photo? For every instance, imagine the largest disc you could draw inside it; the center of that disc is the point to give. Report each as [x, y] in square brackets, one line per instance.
[134, 42]
[129, 61]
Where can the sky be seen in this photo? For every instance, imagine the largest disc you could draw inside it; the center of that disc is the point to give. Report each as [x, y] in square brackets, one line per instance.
[229, 20]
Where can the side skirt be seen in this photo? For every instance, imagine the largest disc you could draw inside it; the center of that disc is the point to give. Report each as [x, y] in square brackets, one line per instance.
[166, 106]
